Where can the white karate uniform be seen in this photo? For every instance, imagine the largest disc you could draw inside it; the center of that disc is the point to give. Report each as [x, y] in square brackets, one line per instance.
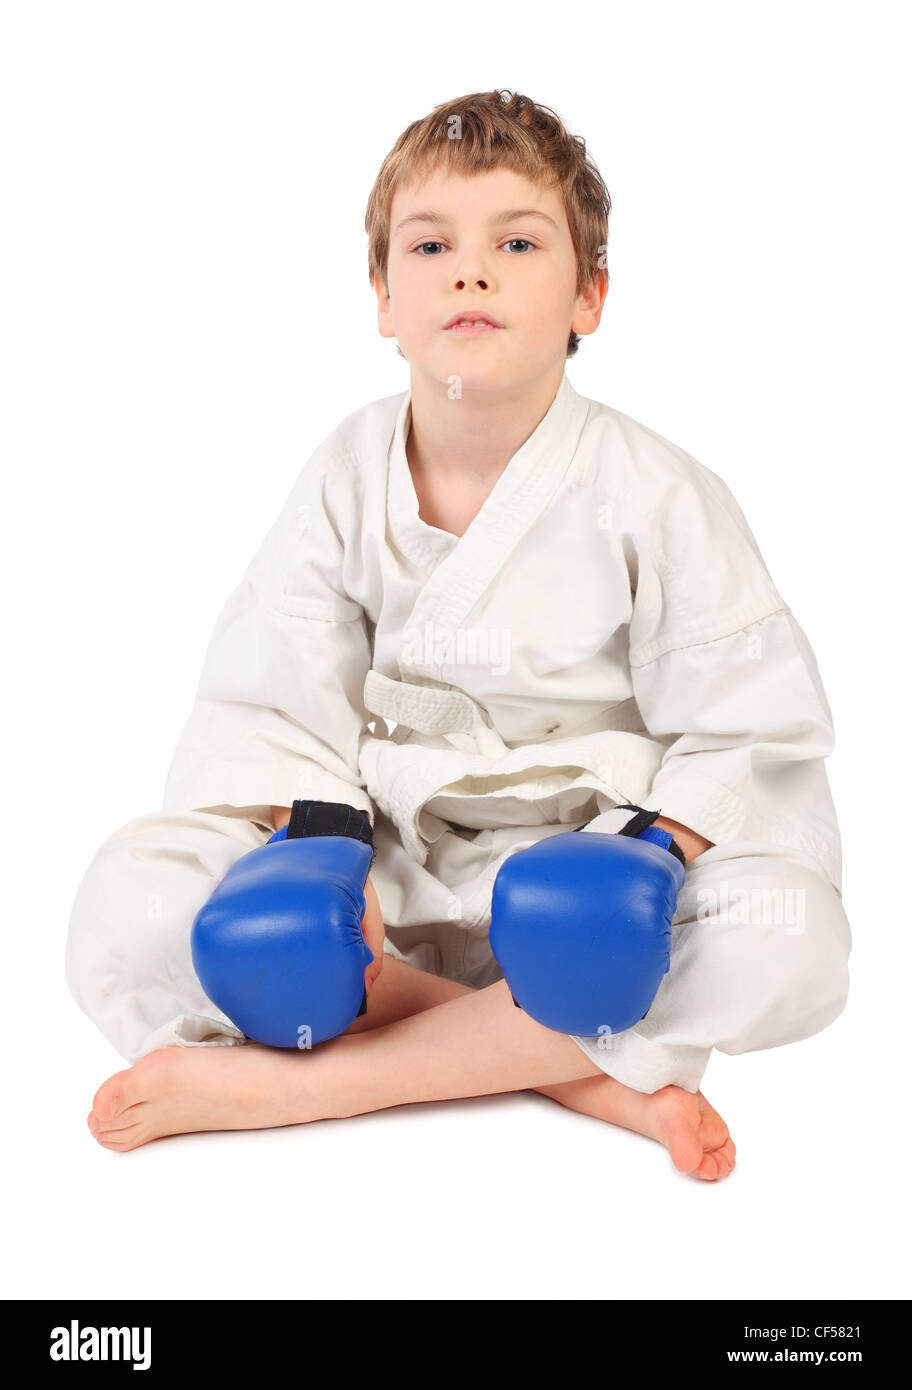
[605, 632]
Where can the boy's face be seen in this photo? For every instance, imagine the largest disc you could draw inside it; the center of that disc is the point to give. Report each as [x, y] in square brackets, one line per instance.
[493, 243]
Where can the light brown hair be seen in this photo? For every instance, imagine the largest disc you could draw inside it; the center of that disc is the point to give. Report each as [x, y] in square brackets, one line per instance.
[498, 130]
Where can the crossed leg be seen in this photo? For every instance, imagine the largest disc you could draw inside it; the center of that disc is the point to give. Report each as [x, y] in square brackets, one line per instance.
[424, 1038]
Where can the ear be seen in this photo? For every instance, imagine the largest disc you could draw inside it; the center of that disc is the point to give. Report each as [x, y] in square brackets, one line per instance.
[384, 307]
[589, 303]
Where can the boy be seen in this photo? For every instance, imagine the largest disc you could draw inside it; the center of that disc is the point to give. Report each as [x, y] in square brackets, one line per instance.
[568, 621]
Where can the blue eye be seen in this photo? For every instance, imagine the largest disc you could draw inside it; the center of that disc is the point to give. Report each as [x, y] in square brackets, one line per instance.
[514, 241]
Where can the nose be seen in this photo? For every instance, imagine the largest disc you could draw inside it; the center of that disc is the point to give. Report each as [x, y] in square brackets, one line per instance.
[470, 269]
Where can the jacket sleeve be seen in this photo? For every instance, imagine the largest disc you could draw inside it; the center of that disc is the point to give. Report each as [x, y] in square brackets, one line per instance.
[279, 711]
[724, 676]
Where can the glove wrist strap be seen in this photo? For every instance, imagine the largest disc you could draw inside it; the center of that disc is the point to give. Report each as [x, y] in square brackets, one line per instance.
[642, 822]
[310, 818]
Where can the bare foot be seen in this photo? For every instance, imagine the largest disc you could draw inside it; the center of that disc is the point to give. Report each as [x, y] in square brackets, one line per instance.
[693, 1132]
[183, 1090]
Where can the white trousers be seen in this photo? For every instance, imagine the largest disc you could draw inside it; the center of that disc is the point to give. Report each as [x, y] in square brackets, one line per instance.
[760, 940]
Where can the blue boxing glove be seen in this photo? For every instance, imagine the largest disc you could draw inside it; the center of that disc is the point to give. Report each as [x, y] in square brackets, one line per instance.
[581, 925]
[278, 946]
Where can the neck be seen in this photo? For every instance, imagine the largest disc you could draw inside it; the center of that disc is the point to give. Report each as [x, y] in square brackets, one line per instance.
[471, 440]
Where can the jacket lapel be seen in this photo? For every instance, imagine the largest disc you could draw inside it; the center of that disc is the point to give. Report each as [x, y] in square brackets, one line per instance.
[461, 568]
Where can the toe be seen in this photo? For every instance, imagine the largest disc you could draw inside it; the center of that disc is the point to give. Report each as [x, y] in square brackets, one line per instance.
[685, 1149]
[120, 1136]
[120, 1146]
[713, 1129]
[696, 1136]
[708, 1168]
[124, 1119]
[141, 1082]
[716, 1164]
[110, 1098]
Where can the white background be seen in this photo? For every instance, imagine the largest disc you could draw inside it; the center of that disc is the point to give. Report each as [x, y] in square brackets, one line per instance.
[185, 315]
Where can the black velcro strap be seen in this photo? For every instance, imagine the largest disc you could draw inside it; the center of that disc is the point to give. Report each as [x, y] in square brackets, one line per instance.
[642, 821]
[675, 849]
[309, 818]
[638, 823]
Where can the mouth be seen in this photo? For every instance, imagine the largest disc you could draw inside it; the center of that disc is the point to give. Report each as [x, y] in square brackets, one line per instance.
[472, 325]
